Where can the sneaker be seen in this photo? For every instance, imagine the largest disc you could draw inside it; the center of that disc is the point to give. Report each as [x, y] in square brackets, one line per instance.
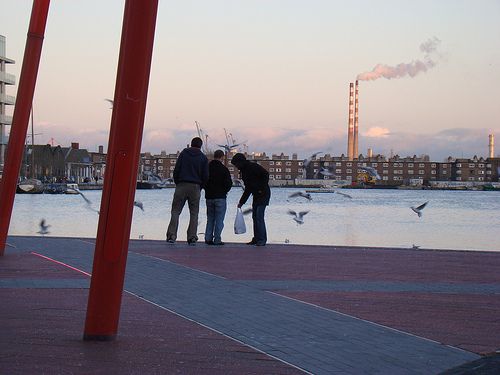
[260, 244]
[209, 242]
[191, 242]
[218, 243]
[251, 242]
[170, 240]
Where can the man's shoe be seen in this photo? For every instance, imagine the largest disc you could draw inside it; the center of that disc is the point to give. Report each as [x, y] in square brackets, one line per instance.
[251, 242]
[209, 242]
[170, 240]
[218, 243]
[260, 244]
[191, 242]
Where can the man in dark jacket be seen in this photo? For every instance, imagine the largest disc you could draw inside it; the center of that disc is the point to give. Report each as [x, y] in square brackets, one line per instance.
[190, 174]
[218, 185]
[256, 180]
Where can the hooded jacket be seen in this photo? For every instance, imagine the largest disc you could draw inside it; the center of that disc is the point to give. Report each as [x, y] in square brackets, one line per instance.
[219, 181]
[191, 166]
[256, 180]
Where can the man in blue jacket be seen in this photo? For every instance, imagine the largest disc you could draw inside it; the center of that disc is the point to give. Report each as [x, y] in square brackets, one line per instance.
[218, 185]
[190, 175]
[256, 180]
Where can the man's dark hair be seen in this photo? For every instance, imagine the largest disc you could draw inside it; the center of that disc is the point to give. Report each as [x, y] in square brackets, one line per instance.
[218, 154]
[196, 142]
[238, 160]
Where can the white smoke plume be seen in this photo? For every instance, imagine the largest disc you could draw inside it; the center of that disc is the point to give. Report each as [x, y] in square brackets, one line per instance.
[411, 69]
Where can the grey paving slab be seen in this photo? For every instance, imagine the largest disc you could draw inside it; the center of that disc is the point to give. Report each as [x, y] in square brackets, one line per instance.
[372, 286]
[45, 283]
[317, 340]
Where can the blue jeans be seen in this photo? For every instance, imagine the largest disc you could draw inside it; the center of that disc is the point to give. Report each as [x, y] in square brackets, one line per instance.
[216, 210]
[259, 225]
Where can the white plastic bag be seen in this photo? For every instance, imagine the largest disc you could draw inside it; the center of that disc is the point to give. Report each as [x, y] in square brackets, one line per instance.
[239, 223]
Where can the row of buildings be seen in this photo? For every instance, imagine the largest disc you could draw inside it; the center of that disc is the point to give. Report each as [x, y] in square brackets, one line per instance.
[56, 163]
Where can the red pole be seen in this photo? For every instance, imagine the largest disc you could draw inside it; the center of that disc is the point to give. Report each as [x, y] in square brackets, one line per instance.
[25, 91]
[124, 146]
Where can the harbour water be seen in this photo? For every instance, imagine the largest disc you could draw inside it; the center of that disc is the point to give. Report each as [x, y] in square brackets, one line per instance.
[461, 220]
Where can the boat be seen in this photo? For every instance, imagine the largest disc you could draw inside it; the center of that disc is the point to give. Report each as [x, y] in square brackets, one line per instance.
[72, 188]
[55, 188]
[30, 186]
[321, 190]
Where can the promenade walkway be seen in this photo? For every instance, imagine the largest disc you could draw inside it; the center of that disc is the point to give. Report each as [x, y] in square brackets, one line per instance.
[237, 309]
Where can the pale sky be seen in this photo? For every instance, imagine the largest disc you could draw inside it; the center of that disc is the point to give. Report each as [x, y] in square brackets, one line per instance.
[276, 73]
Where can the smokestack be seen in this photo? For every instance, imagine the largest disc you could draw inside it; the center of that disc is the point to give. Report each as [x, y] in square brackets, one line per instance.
[370, 153]
[356, 118]
[350, 130]
[491, 146]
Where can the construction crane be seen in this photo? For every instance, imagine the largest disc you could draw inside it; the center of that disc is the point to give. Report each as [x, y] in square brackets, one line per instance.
[204, 138]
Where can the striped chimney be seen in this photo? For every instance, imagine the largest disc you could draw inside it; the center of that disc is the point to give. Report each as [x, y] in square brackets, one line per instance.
[491, 146]
[356, 118]
[350, 130]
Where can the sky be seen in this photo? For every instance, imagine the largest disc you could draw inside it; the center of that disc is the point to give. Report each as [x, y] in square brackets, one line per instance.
[275, 74]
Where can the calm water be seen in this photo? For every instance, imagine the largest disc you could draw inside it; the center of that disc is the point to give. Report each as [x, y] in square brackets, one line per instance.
[452, 220]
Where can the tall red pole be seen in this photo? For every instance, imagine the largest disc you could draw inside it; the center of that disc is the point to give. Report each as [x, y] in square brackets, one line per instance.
[124, 146]
[25, 91]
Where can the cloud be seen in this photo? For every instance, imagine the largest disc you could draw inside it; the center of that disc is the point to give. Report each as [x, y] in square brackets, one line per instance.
[376, 132]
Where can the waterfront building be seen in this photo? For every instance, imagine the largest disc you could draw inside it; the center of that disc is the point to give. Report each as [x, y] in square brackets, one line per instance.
[98, 160]
[5, 100]
[77, 163]
[43, 162]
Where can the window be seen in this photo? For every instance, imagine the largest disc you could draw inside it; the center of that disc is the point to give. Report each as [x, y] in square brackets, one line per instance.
[410, 171]
[349, 164]
[160, 168]
[316, 164]
[398, 171]
[172, 161]
[231, 169]
[459, 165]
[385, 171]
[349, 171]
[271, 177]
[278, 177]
[421, 171]
[433, 171]
[271, 169]
[480, 172]
[433, 165]
[300, 170]
[471, 178]
[488, 172]
[385, 165]
[445, 165]
[481, 165]
[410, 165]
[147, 161]
[271, 162]
[278, 163]
[338, 170]
[288, 170]
[326, 164]
[172, 168]
[471, 165]
[374, 164]
[160, 161]
[459, 178]
[288, 177]
[459, 172]
[338, 164]
[398, 178]
[421, 165]
[385, 178]
[278, 169]
[288, 163]
[301, 163]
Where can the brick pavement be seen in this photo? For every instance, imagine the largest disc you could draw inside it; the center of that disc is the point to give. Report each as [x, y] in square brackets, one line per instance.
[310, 337]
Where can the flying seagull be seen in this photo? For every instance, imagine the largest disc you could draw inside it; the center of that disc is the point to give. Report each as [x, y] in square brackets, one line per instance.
[301, 194]
[139, 204]
[343, 194]
[247, 211]
[88, 201]
[298, 217]
[307, 161]
[228, 148]
[325, 172]
[44, 228]
[418, 210]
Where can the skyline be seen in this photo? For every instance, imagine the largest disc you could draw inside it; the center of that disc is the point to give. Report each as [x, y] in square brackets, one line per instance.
[275, 76]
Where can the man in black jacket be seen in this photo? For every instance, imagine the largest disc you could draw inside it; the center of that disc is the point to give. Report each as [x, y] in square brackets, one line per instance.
[256, 180]
[190, 174]
[218, 185]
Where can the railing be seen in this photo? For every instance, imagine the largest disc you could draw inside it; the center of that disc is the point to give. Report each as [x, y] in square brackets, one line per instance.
[4, 119]
[7, 78]
[7, 99]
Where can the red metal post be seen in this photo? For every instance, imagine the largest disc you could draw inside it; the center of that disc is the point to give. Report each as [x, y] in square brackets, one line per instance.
[124, 146]
[25, 91]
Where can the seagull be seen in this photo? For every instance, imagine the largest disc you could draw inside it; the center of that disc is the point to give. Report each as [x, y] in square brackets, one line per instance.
[88, 201]
[139, 204]
[44, 228]
[141, 236]
[298, 217]
[415, 246]
[371, 171]
[228, 148]
[418, 210]
[301, 194]
[325, 172]
[247, 211]
[307, 161]
[343, 194]
[110, 102]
